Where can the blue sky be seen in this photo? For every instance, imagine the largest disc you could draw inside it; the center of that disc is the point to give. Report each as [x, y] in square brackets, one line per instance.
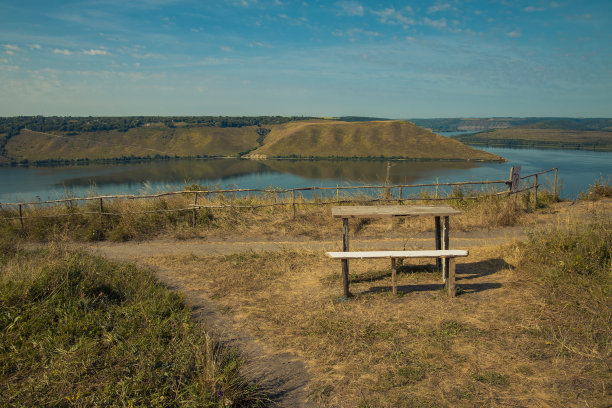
[396, 59]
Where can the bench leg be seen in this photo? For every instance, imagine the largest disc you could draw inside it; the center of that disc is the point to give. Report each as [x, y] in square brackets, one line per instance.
[451, 277]
[345, 280]
[345, 264]
[445, 245]
[394, 275]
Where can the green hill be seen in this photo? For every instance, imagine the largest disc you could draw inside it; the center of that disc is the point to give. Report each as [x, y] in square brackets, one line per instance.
[389, 139]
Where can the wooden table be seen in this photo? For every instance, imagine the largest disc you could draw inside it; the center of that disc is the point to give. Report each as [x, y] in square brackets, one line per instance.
[441, 216]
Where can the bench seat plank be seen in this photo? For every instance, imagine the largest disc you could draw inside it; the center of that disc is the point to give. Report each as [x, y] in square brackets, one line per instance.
[448, 253]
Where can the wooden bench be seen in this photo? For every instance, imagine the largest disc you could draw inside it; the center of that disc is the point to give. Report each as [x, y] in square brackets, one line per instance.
[443, 253]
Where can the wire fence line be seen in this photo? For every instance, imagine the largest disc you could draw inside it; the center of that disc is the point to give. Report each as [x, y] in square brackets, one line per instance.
[288, 197]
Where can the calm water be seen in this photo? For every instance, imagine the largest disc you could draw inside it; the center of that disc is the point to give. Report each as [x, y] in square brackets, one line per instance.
[577, 169]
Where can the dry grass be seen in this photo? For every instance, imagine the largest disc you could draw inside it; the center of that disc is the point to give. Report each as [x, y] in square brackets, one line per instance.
[513, 337]
[143, 219]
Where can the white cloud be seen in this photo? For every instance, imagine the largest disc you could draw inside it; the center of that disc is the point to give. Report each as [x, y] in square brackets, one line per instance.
[225, 48]
[439, 24]
[351, 8]
[9, 68]
[63, 52]
[392, 16]
[261, 44]
[149, 55]
[438, 7]
[514, 34]
[10, 49]
[354, 33]
[35, 46]
[532, 9]
[4, 61]
[96, 52]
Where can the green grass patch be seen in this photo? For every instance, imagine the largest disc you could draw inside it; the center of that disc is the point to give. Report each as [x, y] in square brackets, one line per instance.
[78, 330]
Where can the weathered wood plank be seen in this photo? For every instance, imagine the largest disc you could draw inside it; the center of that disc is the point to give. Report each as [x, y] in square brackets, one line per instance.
[450, 253]
[392, 211]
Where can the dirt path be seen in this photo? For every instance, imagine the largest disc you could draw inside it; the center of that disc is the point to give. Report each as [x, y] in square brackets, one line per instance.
[282, 374]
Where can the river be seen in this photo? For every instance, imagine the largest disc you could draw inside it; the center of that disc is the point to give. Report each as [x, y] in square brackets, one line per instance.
[577, 169]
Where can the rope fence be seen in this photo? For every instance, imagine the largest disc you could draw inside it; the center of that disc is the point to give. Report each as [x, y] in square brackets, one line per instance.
[290, 197]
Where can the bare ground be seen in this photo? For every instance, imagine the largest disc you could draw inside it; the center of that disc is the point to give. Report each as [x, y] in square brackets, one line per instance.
[285, 368]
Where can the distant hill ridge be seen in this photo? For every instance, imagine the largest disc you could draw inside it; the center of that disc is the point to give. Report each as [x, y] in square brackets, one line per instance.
[315, 138]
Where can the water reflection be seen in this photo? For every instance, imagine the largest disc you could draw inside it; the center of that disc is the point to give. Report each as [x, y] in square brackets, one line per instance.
[220, 170]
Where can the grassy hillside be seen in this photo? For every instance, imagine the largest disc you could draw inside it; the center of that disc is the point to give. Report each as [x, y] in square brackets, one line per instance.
[142, 141]
[540, 135]
[299, 139]
[399, 139]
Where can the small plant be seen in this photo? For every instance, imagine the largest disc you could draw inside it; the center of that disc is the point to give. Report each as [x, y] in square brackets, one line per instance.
[598, 190]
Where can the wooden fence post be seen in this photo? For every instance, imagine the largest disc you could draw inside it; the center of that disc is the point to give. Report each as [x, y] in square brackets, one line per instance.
[555, 191]
[535, 193]
[101, 209]
[21, 216]
[399, 201]
[195, 211]
[293, 201]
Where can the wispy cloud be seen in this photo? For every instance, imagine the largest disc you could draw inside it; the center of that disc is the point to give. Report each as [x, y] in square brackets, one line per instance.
[149, 55]
[439, 24]
[533, 9]
[351, 8]
[353, 34]
[62, 52]
[35, 46]
[514, 34]
[392, 16]
[10, 49]
[438, 7]
[96, 52]
[225, 48]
